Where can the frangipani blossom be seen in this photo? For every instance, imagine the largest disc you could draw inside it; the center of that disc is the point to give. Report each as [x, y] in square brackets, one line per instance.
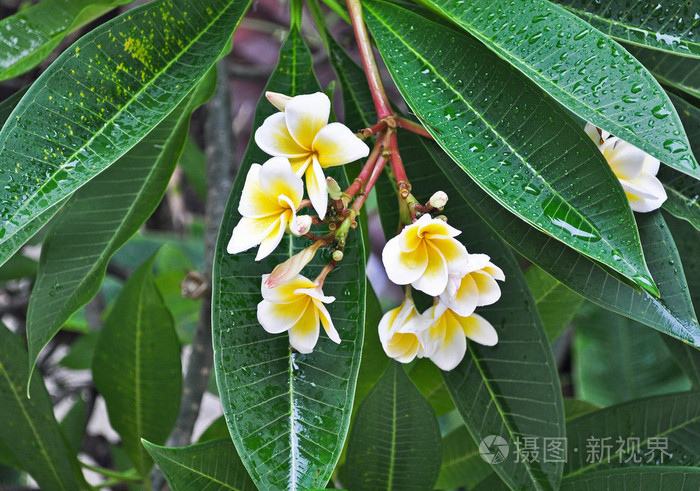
[445, 341]
[271, 195]
[476, 288]
[296, 306]
[425, 254]
[397, 331]
[301, 133]
[635, 169]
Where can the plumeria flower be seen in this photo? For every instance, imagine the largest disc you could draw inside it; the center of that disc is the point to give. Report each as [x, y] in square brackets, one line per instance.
[476, 288]
[301, 133]
[425, 254]
[397, 331]
[296, 306]
[635, 169]
[271, 195]
[292, 267]
[445, 340]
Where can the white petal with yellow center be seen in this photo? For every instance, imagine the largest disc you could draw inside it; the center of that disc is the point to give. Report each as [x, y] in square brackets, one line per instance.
[317, 188]
[305, 115]
[335, 145]
[397, 332]
[274, 138]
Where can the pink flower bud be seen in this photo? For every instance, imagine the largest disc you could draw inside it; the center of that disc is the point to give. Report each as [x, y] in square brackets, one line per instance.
[277, 100]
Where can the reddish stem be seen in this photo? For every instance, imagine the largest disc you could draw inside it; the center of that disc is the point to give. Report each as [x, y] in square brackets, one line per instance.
[412, 127]
[366, 171]
[376, 171]
[397, 167]
[381, 101]
[374, 129]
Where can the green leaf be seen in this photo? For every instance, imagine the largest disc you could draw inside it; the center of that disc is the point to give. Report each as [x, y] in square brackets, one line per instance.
[684, 192]
[193, 163]
[288, 413]
[81, 353]
[688, 245]
[556, 304]
[579, 201]
[17, 267]
[462, 466]
[573, 408]
[672, 418]
[395, 440]
[512, 389]
[31, 34]
[29, 429]
[617, 360]
[671, 314]
[132, 72]
[137, 368]
[210, 465]
[73, 425]
[100, 218]
[428, 380]
[666, 27]
[676, 71]
[580, 67]
[643, 479]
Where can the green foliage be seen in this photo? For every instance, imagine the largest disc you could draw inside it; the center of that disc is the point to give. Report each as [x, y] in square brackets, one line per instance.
[393, 428]
[556, 303]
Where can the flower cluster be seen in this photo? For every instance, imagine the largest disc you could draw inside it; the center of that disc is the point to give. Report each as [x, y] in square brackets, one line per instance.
[635, 169]
[301, 142]
[427, 256]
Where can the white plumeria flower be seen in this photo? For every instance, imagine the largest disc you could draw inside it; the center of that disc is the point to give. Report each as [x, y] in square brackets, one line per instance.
[292, 267]
[445, 341]
[635, 169]
[271, 195]
[476, 288]
[296, 306]
[397, 331]
[301, 133]
[425, 254]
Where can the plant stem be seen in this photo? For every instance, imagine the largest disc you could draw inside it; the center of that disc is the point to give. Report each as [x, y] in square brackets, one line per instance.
[413, 127]
[366, 171]
[397, 167]
[376, 171]
[381, 101]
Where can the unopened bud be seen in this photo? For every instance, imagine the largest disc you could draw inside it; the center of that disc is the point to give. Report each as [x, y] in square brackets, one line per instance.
[441, 217]
[334, 190]
[337, 255]
[278, 100]
[292, 266]
[301, 225]
[438, 200]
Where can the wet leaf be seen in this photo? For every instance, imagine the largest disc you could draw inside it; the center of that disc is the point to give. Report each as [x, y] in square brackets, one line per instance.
[580, 67]
[288, 413]
[132, 72]
[658, 477]
[462, 466]
[676, 71]
[536, 162]
[100, 218]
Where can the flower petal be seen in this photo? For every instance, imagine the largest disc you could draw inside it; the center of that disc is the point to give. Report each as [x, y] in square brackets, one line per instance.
[305, 115]
[277, 179]
[626, 160]
[479, 330]
[254, 202]
[402, 347]
[489, 291]
[270, 243]
[645, 194]
[303, 336]
[327, 322]
[465, 299]
[433, 281]
[316, 293]
[279, 317]
[250, 232]
[403, 268]
[317, 188]
[335, 145]
[274, 139]
[455, 254]
[285, 292]
[434, 228]
[386, 323]
[451, 351]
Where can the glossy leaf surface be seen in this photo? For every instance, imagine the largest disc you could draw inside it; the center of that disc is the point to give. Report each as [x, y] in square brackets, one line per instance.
[668, 26]
[206, 466]
[31, 34]
[512, 389]
[677, 71]
[674, 418]
[100, 218]
[462, 466]
[672, 313]
[136, 366]
[580, 67]
[647, 479]
[556, 303]
[513, 158]
[616, 359]
[33, 438]
[101, 97]
[395, 441]
[288, 413]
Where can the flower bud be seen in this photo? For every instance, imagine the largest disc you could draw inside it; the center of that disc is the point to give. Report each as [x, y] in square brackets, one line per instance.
[292, 266]
[334, 190]
[438, 200]
[441, 217]
[278, 100]
[337, 255]
[301, 225]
